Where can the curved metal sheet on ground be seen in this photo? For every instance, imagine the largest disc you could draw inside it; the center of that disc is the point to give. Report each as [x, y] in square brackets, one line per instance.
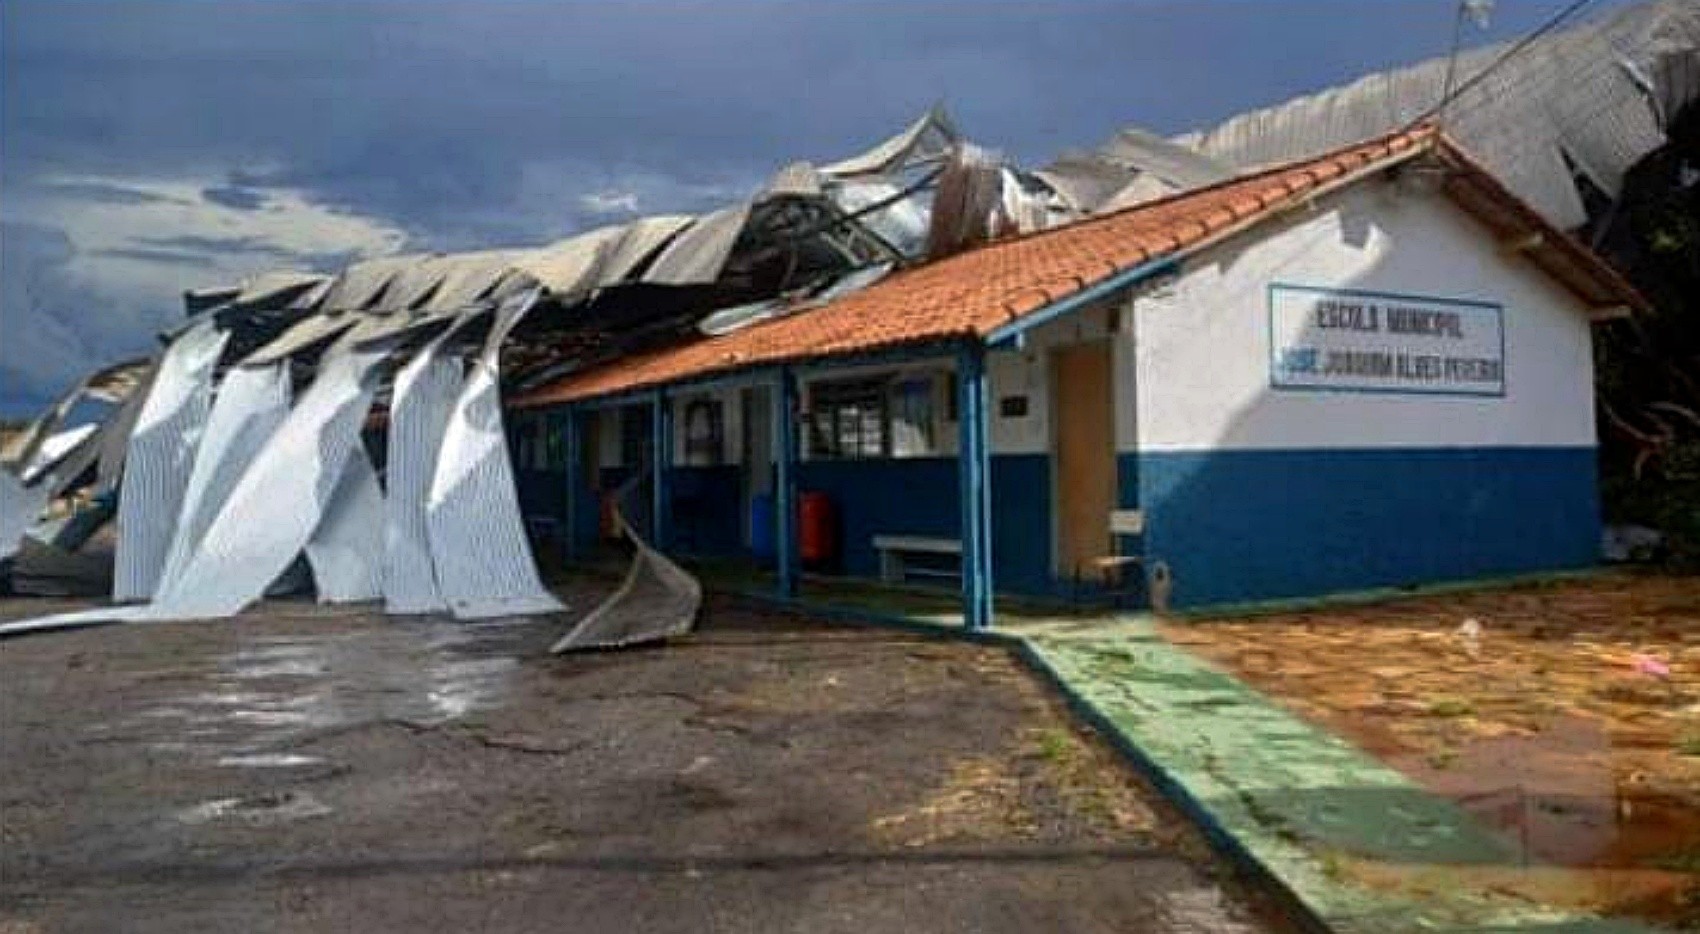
[160, 454]
[251, 403]
[78, 619]
[657, 600]
[696, 256]
[421, 403]
[276, 505]
[483, 562]
[346, 551]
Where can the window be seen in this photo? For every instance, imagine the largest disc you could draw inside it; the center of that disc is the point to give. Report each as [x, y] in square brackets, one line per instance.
[704, 433]
[912, 417]
[847, 419]
[876, 417]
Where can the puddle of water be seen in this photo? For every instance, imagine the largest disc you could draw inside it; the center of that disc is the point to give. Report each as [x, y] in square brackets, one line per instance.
[283, 668]
[268, 760]
[427, 672]
[271, 808]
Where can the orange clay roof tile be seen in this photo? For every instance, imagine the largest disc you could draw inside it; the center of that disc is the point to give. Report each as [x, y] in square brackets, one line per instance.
[970, 294]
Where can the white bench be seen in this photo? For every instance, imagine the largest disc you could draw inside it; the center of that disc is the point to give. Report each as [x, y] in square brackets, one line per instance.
[892, 548]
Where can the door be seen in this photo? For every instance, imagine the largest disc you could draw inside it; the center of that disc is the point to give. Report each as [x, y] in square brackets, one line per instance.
[1084, 455]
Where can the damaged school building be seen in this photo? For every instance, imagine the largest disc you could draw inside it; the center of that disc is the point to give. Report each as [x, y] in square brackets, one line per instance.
[1261, 361]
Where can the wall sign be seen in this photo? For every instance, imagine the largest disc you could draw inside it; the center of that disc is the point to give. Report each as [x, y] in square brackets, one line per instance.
[1344, 339]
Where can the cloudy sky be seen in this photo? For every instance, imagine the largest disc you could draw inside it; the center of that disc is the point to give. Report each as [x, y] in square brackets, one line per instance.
[148, 147]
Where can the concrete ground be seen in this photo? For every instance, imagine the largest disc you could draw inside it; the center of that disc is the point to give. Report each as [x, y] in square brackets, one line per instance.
[310, 769]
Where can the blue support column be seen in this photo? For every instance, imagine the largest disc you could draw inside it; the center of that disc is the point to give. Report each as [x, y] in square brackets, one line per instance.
[785, 416]
[571, 449]
[661, 465]
[975, 465]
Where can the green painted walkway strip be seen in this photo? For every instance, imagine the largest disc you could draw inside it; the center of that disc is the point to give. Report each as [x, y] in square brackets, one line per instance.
[1300, 801]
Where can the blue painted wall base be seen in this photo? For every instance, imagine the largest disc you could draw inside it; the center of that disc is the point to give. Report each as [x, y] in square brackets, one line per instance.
[1238, 526]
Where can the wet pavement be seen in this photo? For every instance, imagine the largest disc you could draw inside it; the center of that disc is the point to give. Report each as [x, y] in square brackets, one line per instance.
[310, 769]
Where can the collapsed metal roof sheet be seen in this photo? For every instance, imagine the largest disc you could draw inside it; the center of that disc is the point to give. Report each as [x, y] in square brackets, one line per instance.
[699, 253]
[1595, 97]
[358, 285]
[927, 139]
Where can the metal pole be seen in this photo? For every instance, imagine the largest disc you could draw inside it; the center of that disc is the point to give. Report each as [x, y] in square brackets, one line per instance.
[974, 463]
[661, 466]
[785, 415]
[572, 450]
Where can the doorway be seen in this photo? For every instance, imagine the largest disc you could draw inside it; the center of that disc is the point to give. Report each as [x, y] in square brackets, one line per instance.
[1084, 456]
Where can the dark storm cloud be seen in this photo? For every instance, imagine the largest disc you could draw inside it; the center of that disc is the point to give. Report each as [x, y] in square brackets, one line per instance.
[430, 114]
[40, 353]
[471, 124]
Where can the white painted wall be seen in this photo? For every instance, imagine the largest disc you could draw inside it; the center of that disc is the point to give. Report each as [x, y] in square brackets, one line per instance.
[1201, 343]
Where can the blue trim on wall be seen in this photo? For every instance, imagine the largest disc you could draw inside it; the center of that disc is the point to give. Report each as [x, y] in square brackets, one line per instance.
[918, 496]
[708, 510]
[1253, 525]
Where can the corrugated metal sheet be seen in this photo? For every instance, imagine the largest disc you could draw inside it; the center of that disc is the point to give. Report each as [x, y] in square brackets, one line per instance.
[641, 238]
[657, 600]
[115, 433]
[307, 332]
[346, 551]
[161, 453]
[567, 267]
[1580, 94]
[484, 566]
[698, 254]
[252, 402]
[19, 507]
[277, 504]
[470, 278]
[420, 405]
[927, 139]
[360, 284]
[54, 449]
